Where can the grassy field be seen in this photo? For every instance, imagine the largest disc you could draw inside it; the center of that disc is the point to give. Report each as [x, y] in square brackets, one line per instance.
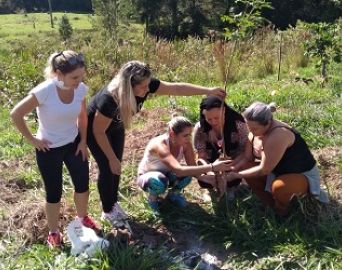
[230, 235]
[22, 26]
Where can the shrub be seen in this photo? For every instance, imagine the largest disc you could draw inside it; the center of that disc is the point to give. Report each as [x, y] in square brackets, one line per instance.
[65, 29]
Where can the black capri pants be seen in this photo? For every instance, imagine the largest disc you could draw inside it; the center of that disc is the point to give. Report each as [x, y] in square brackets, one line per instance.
[50, 164]
[107, 182]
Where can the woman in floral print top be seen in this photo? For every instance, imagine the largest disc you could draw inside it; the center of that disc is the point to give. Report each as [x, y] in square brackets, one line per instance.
[216, 117]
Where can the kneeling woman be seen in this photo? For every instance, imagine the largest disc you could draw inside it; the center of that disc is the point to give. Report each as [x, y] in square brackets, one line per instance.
[160, 167]
[220, 130]
[286, 168]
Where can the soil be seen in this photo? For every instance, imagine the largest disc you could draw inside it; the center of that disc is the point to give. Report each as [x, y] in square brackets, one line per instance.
[22, 212]
[137, 138]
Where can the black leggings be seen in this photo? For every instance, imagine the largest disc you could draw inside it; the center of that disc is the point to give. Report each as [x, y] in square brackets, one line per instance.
[50, 164]
[107, 182]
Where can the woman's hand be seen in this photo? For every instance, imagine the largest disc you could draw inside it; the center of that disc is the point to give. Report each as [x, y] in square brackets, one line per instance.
[115, 166]
[216, 91]
[40, 144]
[82, 148]
[221, 165]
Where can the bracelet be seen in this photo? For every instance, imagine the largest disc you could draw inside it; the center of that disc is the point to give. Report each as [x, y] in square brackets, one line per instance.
[212, 167]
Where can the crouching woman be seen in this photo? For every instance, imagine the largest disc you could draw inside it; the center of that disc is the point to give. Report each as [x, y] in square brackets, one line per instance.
[160, 166]
[284, 166]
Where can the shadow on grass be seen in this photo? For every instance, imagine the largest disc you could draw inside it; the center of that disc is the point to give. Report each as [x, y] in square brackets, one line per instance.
[253, 232]
[144, 251]
[184, 229]
[243, 230]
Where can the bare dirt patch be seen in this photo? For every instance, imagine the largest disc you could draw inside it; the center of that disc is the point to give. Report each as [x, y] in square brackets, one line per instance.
[149, 124]
[28, 221]
[331, 175]
[22, 212]
[10, 193]
[12, 185]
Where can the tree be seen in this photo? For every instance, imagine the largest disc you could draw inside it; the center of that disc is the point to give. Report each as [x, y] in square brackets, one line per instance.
[242, 24]
[193, 20]
[243, 19]
[65, 29]
[173, 7]
[50, 12]
[149, 12]
[287, 13]
[325, 43]
[108, 14]
[174, 18]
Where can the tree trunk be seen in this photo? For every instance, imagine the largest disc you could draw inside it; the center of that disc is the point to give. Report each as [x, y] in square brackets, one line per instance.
[324, 69]
[50, 11]
[173, 4]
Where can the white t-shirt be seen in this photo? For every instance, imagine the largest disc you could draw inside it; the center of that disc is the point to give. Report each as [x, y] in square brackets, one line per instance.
[57, 120]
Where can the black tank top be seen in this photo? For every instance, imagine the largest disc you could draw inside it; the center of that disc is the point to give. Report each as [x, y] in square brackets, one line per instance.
[296, 159]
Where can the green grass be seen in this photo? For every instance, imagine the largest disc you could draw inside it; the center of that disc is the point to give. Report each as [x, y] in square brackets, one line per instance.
[12, 143]
[118, 257]
[21, 26]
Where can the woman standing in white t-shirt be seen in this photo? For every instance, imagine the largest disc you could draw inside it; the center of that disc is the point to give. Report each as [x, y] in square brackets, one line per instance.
[61, 136]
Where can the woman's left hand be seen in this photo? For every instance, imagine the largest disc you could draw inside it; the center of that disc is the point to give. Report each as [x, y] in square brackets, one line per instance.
[216, 91]
[82, 148]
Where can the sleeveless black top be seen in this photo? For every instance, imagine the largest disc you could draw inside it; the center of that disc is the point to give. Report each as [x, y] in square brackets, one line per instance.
[296, 159]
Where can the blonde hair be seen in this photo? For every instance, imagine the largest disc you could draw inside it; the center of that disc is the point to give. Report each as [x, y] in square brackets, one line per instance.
[65, 61]
[121, 87]
[178, 123]
[260, 112]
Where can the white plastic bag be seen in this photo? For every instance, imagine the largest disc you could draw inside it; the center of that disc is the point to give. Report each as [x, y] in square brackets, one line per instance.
[84, 240]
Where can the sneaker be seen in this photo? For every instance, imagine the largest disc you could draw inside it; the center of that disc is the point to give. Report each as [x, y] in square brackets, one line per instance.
[119, 211]
[154, 206]
[90, 223]
[55, 240]
[116, 217]
[178, 199]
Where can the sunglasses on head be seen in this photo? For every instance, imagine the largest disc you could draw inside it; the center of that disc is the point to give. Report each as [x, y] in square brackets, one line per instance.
[73, 60]
[140, 71]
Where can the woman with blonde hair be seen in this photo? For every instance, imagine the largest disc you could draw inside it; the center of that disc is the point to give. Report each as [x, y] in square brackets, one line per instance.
[283, 164]
[110, 113]
[160, 166]
[61, 136]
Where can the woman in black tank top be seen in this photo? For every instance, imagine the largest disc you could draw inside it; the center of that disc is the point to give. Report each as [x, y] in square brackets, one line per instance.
[283, 166]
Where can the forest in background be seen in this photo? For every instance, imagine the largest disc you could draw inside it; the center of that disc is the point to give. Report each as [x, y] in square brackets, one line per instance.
[182, 18]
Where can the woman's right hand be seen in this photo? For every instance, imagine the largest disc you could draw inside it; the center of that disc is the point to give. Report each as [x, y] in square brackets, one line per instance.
[222, 165]
[115, 166]
[41, 144]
